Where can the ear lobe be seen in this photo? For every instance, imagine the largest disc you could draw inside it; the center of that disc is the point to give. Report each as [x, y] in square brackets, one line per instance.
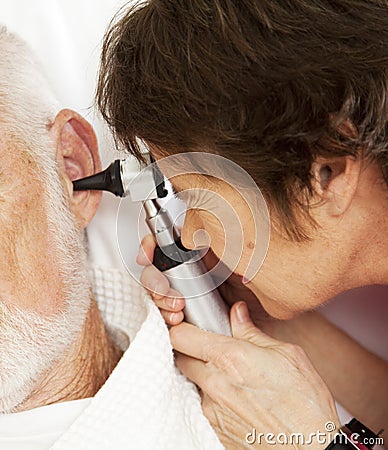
[77, 156]
[335, 181]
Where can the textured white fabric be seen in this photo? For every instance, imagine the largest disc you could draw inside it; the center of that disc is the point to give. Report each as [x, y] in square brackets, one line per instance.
[39, 428]
[146, 403]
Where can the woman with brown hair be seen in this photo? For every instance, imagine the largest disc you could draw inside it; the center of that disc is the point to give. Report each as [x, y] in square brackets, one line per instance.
[295, 93]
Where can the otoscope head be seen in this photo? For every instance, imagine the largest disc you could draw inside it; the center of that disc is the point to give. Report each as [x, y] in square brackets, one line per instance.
[126, 177]
[107, 180]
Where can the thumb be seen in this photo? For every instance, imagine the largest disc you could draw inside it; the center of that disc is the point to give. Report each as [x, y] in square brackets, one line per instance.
[243, 327]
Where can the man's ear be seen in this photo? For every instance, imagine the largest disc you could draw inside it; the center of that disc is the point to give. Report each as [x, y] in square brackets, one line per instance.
[77, 156]
[335, 181]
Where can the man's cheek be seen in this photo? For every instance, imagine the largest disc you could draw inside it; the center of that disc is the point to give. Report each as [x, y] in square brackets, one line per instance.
[8, 262]
[27, 266]
[37, 262]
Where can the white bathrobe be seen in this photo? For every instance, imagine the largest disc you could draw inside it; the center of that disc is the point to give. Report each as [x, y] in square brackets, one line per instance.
[145, 403]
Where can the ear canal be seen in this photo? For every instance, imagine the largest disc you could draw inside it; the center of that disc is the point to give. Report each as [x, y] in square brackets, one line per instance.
[73, 170]
[325, 175]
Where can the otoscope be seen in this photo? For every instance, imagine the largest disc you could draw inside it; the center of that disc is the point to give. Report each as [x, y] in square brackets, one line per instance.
[183, 268]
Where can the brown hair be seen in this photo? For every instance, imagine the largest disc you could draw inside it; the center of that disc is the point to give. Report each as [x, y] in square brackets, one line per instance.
[256, 81]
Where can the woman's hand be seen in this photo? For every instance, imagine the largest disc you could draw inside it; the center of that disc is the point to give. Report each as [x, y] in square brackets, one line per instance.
[248, 382]
[253, 384]
[171, 302]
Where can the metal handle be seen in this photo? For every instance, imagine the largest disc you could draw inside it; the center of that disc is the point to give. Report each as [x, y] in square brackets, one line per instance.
[205, 307]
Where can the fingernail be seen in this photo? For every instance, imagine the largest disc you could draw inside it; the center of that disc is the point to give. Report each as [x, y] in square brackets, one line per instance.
[155, 287]
[245, 280]
[242, 313]
[171, 317]
[172, 302]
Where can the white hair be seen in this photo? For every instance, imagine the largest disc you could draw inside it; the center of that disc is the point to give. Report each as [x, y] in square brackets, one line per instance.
[30, 344]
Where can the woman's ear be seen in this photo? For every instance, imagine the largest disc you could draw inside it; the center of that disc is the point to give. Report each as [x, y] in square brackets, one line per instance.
[77, 156]
[335, 181]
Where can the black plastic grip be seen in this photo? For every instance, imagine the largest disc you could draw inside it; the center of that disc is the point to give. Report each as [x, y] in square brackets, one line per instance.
[172, 256]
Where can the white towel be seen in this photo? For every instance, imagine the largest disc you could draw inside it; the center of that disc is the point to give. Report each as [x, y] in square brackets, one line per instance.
[146, 403]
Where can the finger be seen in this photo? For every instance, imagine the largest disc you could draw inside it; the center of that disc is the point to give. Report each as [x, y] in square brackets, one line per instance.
[172, 302]
[200, 344]
[155, 282]
[172, 318]
[146, 250]
[195, 370]
[212, 381]
[243, 327]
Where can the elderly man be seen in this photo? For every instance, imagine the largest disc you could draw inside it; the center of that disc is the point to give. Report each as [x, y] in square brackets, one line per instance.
[67, 378]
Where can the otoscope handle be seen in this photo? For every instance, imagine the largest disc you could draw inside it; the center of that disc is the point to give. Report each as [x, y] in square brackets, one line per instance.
[187, 274]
